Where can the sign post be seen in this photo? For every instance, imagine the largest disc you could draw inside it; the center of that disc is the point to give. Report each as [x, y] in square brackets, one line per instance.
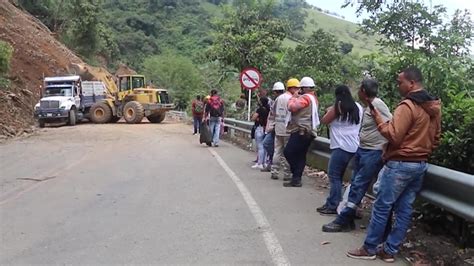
[250, 79]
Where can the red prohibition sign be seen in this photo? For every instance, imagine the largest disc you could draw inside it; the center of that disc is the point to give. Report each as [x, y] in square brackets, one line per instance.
[250, 78]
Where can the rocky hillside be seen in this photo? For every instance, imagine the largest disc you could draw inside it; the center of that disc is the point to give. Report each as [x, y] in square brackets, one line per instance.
[36, 54]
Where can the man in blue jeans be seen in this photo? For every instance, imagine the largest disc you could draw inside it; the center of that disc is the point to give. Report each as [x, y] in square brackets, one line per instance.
[215, 113]
[368, 158]
[412, 134]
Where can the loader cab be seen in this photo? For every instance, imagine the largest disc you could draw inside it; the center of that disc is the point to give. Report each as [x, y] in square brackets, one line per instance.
[130, 82]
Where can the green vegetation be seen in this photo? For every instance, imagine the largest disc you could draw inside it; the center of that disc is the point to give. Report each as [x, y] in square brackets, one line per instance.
[6, 52]
[441, 51]
[176, 73]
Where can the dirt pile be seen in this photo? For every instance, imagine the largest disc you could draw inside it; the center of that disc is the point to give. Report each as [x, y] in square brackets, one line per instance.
[36, 54]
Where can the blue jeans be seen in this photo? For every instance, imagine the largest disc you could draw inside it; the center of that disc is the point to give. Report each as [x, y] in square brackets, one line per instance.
[367, 164]
[215, 128]
[197, 124]
[295, 153]
[336, 168]
[399, 184]
[269, 145]
[259, 136]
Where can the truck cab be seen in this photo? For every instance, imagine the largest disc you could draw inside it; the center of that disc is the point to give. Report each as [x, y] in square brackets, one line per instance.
[60, 101]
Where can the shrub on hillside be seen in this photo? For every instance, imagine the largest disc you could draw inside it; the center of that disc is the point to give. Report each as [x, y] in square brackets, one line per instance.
[6, 52]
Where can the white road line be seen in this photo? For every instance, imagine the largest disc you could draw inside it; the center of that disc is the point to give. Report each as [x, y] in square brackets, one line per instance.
[271, 241]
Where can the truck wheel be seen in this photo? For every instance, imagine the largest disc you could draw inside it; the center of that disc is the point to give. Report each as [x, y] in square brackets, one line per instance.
[41, 123]
[133, 112]
[72, 117]
[100, 113]
[156, 118]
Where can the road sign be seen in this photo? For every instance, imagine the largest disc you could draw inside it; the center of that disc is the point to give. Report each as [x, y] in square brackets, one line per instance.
[250, 78]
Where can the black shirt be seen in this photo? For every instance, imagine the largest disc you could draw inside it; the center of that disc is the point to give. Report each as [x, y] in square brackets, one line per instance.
[262, 116]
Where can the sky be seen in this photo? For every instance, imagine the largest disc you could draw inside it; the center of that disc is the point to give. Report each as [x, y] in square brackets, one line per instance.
[349, 12]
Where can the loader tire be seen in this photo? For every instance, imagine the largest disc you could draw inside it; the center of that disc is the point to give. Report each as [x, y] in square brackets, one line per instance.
[100, 113]
[156, 118]
[133, 112]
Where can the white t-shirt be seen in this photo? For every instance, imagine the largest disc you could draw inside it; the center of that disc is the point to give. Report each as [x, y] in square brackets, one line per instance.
[345, 135]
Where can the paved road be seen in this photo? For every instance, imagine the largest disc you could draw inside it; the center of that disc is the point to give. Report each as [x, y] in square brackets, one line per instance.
[150, 194]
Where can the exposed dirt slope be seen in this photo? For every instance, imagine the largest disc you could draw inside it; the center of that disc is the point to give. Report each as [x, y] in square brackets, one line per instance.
[36, 54]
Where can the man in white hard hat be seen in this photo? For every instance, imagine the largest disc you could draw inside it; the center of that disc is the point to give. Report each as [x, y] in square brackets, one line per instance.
[302, 127]
[279, 117]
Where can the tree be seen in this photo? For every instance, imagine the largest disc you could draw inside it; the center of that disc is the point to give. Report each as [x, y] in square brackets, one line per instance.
[248, 35]
[345, 47]
[177, 74]
[292, 12]
[83, 32]
[415, 35]
[319, 57]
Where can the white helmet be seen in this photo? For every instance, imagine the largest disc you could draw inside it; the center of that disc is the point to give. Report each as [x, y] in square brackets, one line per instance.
[307, 82]
[278, 86]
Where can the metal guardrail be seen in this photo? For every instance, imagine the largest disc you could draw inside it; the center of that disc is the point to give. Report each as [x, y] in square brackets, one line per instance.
[238, 125]
[177, 114]
[446, 188]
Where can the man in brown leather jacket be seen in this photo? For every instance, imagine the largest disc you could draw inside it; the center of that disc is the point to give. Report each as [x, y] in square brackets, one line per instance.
[412, 134]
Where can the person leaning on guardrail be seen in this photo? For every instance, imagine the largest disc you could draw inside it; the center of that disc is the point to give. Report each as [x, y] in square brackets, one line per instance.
[260, 118]
[367, 159]
[413, 133]
[344, 118]
[302, 127]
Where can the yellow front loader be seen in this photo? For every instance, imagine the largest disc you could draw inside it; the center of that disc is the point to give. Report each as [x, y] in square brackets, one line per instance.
[127, 97]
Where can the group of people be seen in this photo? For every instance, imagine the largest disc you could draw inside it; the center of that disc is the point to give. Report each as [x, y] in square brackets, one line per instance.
[390, 148]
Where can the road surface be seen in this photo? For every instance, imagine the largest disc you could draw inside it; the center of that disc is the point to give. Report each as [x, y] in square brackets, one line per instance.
[150, 194]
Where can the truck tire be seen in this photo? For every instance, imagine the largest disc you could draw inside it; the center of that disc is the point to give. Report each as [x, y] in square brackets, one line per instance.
[100, 113]
[133, 112]
[156, 118]
[72, 117]
[41, 123]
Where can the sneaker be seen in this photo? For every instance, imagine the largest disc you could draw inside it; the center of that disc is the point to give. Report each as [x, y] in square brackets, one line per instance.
[381, 254]
[360, 253]
[257, 166]
[194, 134]
[321, 208]
[333, 227]
[328, 211]
[289, 184]
[324, 210]
[216, 145]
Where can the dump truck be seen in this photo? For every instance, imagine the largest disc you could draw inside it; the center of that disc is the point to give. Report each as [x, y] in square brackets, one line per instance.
[67, 99]
[127, 97]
